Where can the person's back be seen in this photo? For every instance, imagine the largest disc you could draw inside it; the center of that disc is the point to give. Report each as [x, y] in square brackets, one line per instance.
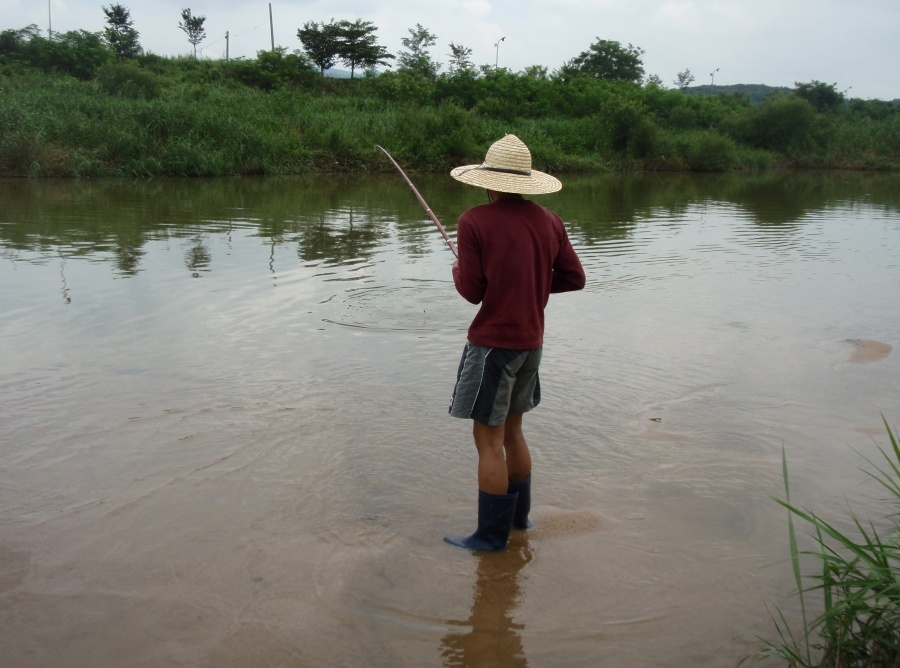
[513, 254]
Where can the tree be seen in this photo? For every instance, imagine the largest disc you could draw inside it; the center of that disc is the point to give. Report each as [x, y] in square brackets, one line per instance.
[322, 43]
[417, 59]
[120, 33]
[608, 60]
[539, 72]
[12, 42]
[193, 28]
[822, 96]
[684, 79]
[358, 46]
[460, 59]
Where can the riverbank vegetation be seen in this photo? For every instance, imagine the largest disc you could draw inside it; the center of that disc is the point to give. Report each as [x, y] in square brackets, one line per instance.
[857, 620]
[81, 104]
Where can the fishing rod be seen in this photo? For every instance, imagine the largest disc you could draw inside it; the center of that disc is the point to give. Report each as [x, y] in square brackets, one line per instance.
[423, 203]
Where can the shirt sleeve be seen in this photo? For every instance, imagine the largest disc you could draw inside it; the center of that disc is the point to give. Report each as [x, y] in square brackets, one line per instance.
[568, 274]
[468, 274]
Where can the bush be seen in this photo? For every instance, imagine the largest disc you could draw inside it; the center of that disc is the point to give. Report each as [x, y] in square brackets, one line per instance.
[128, 79]
[276, 69]
[708, 151]
[401, 86]
[630, 129]
[782, 122]
[682, 118]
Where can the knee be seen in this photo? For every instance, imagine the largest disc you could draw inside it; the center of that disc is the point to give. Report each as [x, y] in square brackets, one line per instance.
[490, 449]
[513, 438]
[512, 429]
[488, 440]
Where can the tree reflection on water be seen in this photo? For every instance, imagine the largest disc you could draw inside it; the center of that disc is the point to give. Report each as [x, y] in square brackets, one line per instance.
[335, 218]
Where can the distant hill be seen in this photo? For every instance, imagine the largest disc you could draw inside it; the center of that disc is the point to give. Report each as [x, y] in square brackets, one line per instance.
[756, 92]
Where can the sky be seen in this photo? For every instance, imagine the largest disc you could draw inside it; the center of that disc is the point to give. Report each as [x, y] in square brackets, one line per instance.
[854, 44]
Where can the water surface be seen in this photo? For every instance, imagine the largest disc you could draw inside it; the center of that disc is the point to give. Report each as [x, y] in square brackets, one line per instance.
[224, 440]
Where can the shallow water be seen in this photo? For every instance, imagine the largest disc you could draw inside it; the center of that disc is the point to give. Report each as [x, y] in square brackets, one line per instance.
[224, 440]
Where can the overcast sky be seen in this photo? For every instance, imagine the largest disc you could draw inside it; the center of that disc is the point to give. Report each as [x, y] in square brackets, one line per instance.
[852, 43]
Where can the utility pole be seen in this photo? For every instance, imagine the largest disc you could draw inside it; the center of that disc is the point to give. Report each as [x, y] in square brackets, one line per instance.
[226, 45]
[271, 27]
[49, 22]
[497, 57]
[712, 75]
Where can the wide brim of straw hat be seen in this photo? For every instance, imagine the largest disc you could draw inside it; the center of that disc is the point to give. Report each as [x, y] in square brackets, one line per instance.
[536, 183]
[507, 169]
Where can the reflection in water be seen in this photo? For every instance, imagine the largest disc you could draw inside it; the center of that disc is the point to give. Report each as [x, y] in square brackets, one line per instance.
[490, 637]
[197, 258]
[346, 218]
[67, 298]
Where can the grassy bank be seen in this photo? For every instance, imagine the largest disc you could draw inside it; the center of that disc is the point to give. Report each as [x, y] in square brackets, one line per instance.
[181, 117]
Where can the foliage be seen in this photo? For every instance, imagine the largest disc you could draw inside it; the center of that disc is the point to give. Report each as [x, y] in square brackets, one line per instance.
[275, 69]
[358, 46]
[321, 41]
[128, 79]
[684, 79]
[402, 85]
[824, 97]
[275, 114]
[629, 129]
[77, 53]
[120, 33]
[352, 42]
[859, 581]
[609, 60]
[783, 123]
[193, 28]
[754, 93]
[416, 58]
[707, 151]
[460, 59]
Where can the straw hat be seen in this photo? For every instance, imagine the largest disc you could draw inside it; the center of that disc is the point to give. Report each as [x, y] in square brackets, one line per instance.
[507, 169]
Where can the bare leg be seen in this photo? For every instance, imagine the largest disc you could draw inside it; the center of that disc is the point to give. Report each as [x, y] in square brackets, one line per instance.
[518, 457]
[492, 474]
[496, 506]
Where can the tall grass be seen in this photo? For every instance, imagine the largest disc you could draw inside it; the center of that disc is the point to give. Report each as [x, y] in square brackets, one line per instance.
[858, 582]
[190, 119]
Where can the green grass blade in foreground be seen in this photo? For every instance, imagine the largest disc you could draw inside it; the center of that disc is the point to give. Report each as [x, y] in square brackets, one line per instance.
[795, 553]
[860, 583]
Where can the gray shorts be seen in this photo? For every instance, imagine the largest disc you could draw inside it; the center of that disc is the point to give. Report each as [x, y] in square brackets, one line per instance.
[493, 382]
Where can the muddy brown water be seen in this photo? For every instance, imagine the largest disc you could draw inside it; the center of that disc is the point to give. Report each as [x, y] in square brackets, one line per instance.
[224, 440]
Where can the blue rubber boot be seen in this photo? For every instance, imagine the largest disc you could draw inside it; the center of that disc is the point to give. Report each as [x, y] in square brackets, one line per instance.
[495, 517]
[523, 505]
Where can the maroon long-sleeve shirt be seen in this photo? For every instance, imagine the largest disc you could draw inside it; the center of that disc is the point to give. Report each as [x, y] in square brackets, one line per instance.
[512, 254]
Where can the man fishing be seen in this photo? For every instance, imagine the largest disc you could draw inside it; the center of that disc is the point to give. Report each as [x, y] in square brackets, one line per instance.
[512, 253]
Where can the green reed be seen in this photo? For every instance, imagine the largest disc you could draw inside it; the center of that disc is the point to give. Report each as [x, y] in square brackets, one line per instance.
[858, 582]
